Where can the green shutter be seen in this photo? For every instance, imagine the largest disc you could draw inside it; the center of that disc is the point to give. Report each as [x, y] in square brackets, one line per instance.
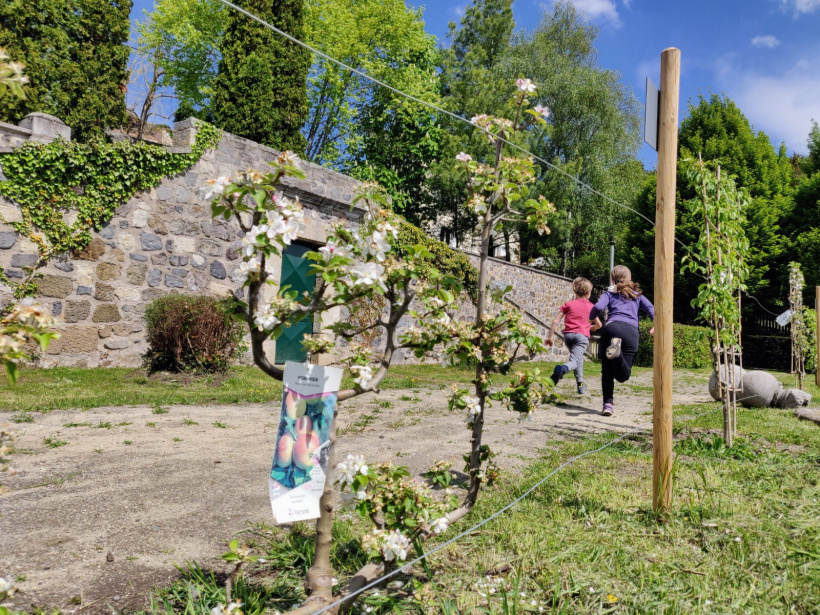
[295, 275]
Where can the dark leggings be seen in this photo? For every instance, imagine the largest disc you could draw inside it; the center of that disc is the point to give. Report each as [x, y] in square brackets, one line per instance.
[619, 368]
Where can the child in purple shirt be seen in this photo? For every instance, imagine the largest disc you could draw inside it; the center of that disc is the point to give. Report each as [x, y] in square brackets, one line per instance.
[619, 335]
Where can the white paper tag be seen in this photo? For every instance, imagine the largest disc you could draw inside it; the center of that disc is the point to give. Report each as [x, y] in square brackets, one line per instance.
[784, 318]
[299, 466]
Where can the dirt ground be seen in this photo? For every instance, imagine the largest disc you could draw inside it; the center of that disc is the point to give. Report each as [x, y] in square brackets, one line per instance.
[94, 524]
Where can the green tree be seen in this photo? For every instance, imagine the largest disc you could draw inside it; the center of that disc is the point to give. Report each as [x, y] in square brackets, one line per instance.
[470, 85]
[183, 39]
[811, 164]
[593, 134]
[260, 91]
[803, 222]
[362, 128]
[716, 129]
[76, 58]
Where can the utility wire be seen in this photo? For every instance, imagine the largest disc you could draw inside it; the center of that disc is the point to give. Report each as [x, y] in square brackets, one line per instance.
[499, 512]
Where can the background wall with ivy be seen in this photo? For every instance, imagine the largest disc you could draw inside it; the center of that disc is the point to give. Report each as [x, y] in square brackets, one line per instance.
[106, 228]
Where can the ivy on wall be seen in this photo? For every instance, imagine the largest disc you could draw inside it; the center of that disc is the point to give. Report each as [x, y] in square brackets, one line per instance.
[49, 181]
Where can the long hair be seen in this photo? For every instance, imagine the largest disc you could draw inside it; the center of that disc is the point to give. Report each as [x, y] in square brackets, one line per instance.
[622, 279]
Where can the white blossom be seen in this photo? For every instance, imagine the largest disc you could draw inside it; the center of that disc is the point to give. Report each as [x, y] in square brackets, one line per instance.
[288, 157]
[525, 85]
[364, 374]
[250, 242]
[378, 246]
[265, 318]
[331, 249]
[220, 609]
[473, 407]
[367, 274]
[543, 111]
[440, 525]
[252, 265]
[347, 470]
[462, 157]
[215, 187]
[386, 228]
[395, 546]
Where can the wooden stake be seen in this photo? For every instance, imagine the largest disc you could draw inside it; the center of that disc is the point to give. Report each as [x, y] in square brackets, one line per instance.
[664, 276]
[817, 335]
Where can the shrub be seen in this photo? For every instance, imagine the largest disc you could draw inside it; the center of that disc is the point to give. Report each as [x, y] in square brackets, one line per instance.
[188, 333]
[445, 259]
[690, 347]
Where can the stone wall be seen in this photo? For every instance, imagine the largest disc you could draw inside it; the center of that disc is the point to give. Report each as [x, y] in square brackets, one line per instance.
[538, 292]
[164, 240]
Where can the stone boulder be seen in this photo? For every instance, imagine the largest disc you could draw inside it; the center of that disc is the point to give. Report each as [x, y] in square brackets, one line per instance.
[725, 379]
[760, 390]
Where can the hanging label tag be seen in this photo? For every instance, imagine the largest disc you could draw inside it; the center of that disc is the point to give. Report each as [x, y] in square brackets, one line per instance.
[784, 318]
[299, 468]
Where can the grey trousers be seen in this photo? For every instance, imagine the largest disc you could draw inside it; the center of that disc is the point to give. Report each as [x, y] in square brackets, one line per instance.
[577, 345]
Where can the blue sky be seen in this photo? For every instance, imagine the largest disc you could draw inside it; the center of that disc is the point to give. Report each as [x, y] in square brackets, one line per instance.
[764, 54]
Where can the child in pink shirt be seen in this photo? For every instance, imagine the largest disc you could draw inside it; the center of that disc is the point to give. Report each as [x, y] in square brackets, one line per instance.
[577, 327]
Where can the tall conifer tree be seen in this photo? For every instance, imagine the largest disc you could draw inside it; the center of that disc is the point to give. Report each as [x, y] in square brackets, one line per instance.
[261, 87]
[75, 57]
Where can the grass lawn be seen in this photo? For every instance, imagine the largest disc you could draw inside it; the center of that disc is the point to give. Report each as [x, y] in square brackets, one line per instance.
[61, 388]
[742, 538]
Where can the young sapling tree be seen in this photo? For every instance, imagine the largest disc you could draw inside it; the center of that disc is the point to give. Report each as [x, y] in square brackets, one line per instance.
[358, 266]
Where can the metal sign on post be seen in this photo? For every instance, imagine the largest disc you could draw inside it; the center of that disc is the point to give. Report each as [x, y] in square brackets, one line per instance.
[650, 125]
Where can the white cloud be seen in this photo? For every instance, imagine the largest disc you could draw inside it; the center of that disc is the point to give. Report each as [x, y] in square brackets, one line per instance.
[783, 106]
[457, 10]
[600, 9]
[768, 41]
[801, 6]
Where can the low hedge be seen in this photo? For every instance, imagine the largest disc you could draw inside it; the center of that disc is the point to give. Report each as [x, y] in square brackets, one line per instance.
[445, 259]
[690, 347]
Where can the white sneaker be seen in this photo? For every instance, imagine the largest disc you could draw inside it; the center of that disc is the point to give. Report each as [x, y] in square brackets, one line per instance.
[614, 349]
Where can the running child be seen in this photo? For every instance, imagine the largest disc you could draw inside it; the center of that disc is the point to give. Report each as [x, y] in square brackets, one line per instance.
[619, 336]
[577, 326]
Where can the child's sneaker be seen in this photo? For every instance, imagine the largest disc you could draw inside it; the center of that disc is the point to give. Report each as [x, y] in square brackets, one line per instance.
[582, 388]
[608, 410]
[559, 372]
[614, 349]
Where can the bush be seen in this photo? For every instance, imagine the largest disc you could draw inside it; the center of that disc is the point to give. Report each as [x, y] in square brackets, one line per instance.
[191, 333]
[445, 259]
[690, 347]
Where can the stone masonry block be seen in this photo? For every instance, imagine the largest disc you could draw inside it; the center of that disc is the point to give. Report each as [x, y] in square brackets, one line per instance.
[150, 242]
[104, 292]
[7, 239]
[209, 247]
[173, 281]
[218, 270]
[75, 311]
[186, 245]
[184, 227]
[135, 274]
[108, 271]
[154, 277]
[74, 340]
[55, 286]
[107, 312]
[24, 260]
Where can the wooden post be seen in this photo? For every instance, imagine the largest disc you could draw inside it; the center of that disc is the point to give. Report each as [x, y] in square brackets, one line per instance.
[817, 335]
[664, 275]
